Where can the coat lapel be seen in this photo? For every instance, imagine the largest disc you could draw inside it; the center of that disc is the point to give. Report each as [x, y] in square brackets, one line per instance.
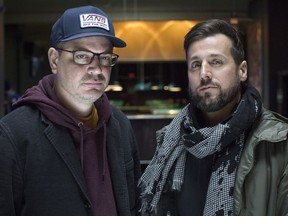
[62, 141]
[117, 167]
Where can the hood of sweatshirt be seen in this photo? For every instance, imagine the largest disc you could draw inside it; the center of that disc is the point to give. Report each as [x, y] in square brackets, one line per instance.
[90, 143]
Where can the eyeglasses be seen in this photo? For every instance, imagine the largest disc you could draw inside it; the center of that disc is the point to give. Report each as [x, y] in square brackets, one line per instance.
[82, 57]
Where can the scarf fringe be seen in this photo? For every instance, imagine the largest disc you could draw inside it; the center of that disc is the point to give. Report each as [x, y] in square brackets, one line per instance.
[177, 183]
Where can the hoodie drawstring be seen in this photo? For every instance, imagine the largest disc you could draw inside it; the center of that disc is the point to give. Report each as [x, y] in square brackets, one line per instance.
[104, 155]
[80, 125]
[104, 151]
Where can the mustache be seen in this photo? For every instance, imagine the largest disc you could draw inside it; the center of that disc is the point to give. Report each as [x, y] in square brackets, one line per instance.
[97, 77]
[204, 82]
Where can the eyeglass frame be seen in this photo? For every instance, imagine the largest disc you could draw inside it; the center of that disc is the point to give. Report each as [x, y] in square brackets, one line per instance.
[92, 58]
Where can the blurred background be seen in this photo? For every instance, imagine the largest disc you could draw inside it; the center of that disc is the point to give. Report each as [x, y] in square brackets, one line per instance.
[149, 83]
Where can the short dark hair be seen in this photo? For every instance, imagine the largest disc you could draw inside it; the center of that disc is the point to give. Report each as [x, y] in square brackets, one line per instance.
[212, 27]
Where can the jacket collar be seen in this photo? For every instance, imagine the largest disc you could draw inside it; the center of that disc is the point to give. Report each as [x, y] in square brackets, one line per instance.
[270, 126]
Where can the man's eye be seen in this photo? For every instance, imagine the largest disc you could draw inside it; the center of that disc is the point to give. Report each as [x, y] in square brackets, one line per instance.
[216, 62]
[81, 56]
[195, 65]
[105, 57]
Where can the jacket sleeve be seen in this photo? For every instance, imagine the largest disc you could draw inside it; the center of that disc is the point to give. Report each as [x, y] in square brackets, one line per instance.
[282, 201]
[10, 175]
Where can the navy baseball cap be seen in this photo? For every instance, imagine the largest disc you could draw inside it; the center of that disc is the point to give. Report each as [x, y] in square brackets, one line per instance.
[85, 21]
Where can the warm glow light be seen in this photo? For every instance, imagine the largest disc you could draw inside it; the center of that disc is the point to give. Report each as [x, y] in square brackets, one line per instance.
[175, 89]
[172, 88]
[114, 88]
[234, 21]
[173, 112]
[152, 40]
[155, 87]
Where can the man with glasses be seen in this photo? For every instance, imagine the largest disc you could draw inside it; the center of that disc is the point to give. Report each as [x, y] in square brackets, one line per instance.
[64, 149]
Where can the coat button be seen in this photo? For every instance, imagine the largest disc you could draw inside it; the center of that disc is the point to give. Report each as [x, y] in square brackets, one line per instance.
[87, 205]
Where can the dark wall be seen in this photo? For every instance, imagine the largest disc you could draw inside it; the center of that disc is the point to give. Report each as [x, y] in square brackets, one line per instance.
[278, 47]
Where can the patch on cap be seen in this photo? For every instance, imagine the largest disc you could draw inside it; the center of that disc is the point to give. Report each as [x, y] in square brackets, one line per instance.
[94, 20]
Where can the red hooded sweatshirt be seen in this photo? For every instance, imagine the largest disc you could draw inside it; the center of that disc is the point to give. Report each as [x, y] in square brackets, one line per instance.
[89, 142]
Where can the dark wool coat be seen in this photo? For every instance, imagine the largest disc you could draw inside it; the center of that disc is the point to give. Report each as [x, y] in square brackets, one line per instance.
[40, 171]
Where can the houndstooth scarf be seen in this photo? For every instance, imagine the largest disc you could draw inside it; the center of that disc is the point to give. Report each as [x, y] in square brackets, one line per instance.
[226, 140]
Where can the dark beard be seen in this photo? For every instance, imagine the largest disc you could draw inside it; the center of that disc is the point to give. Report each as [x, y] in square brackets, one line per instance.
[204, 103]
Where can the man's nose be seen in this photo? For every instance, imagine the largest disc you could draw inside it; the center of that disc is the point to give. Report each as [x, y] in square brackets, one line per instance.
[205, 72]
[94, 66]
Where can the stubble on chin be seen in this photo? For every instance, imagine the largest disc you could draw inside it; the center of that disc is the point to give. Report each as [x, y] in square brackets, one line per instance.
[207, 103]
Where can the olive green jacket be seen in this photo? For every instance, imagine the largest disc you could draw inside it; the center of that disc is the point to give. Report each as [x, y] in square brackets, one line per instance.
[262, 177]
[261, 187]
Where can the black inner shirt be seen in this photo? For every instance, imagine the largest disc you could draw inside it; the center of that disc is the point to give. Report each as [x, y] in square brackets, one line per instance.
[191, 199]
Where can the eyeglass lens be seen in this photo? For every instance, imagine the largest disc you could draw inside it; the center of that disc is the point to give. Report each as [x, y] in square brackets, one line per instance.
[85, 57]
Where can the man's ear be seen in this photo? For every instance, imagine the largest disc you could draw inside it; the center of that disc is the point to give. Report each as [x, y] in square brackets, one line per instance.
[53, 56]
[243, 71]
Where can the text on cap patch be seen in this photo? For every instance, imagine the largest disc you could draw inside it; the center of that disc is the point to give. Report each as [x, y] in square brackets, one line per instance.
[94, 20]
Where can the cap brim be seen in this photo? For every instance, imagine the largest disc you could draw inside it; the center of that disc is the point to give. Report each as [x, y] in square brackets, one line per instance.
[117, 42]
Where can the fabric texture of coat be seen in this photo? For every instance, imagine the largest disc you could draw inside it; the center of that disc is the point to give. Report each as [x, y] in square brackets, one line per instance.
[261, 186]
[40, 171]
